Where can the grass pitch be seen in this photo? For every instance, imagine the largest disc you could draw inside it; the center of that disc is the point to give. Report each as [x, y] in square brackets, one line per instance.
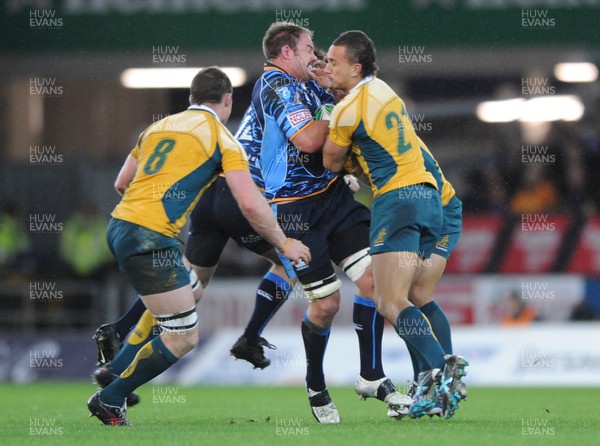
[55, 413]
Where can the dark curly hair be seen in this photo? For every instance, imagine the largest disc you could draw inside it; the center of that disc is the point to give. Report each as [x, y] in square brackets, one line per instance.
[360, 49]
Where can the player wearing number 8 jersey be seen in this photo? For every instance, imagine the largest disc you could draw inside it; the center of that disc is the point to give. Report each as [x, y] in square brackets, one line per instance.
[176, 159]
[169, 182]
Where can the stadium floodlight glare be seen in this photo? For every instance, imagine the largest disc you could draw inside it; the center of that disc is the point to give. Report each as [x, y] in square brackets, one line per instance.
[538, 109]
[576, 72]
[552, 108]
[507, 110]
[173, 77]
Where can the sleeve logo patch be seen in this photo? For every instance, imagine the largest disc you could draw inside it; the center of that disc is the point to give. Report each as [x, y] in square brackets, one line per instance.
[299, 117]
[284, 92]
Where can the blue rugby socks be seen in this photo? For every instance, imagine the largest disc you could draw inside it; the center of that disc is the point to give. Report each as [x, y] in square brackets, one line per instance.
[272, 292]
[315, 343]
[368, 324]
[126, 323]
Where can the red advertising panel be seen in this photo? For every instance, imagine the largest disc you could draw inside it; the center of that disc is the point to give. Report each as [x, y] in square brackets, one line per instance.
[586, 257]
[477, 240]
[457, 296]
[534, 243]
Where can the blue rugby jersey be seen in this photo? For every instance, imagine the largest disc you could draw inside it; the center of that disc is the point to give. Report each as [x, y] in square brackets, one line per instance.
[281, 108]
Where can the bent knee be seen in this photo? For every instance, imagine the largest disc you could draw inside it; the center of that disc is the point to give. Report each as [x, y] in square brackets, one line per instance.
[326, 308]
[179, 343]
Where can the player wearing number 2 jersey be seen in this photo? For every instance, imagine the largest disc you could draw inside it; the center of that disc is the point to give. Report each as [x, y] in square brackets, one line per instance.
[372, 123]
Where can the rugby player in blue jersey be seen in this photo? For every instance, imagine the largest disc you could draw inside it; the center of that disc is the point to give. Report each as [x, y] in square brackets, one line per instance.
[283, 142]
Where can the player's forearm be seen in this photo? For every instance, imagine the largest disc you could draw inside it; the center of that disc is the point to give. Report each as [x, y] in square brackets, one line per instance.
[334, 156]
[126, 174]
[254, 207]
[333, 161]
[311, 139]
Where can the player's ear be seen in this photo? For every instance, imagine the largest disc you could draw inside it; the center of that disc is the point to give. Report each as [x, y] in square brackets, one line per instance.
[285, 51]
[357, 69]
[228, 99]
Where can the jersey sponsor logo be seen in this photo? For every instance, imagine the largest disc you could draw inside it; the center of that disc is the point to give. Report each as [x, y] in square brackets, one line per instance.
[379, 240]
[299, 117]
[357, 326]
[250, 238]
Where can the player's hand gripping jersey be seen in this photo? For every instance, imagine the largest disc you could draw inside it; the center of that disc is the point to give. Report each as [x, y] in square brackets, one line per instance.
[281, 108]
[177, 158]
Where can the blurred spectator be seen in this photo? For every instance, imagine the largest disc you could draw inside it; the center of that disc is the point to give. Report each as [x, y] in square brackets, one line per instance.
[485, 191]
[83, 242]
[536, 194]
[15, 244]
[576, 200]
[516, 311]
[474, 196]
[496, 195]
[485, 188]
[565, 143]
[591, 145]
[583, 312]
[589, 308]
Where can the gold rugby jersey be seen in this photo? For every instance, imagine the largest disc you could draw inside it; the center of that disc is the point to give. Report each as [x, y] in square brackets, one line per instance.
[431, 164]
[372, 119]
[177, 159]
